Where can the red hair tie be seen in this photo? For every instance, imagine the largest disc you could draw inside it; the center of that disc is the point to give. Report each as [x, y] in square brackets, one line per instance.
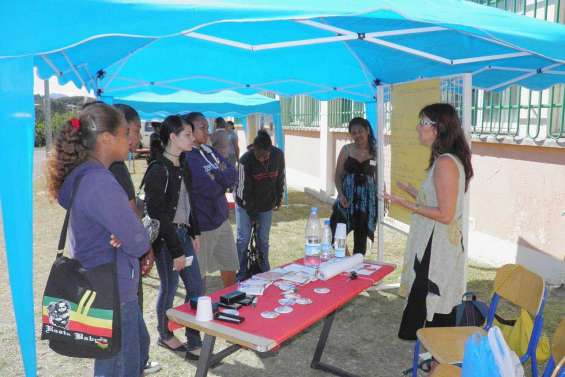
[75, 123]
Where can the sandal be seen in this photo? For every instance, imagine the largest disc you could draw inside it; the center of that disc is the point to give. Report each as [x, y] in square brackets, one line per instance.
[180, 349]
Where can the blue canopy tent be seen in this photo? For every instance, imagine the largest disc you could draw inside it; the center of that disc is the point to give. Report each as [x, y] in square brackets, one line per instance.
[226, 103]
[118, 48]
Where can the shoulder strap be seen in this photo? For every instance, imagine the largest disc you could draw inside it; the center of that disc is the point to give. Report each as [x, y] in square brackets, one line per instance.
[147, 170]
[63, 236]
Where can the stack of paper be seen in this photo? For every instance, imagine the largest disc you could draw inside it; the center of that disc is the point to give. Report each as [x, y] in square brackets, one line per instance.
[254, 287]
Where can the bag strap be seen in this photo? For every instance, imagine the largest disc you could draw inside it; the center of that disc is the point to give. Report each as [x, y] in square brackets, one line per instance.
[63, 236]
[147, 170]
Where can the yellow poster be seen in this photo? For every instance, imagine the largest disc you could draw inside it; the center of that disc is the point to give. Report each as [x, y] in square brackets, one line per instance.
[409, 160]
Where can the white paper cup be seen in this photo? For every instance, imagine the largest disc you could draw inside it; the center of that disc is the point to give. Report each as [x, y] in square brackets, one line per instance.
[204, 309]
[341, 231]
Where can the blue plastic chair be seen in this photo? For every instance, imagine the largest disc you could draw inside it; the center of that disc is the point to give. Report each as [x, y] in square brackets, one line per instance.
[557, 353]
[513, 283]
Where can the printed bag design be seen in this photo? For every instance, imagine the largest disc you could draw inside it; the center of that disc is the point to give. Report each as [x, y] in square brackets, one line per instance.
[81, 308]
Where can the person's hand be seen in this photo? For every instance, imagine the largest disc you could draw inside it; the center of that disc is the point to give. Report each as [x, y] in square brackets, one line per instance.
[407, 187]
[147, 262]
[277, 208]
[179, 263]
[115, 242]
[196, 244]
[395, 199]
[343, 201]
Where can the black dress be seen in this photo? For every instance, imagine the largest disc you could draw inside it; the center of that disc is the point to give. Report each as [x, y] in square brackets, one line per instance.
[360, 189]
[414, 316]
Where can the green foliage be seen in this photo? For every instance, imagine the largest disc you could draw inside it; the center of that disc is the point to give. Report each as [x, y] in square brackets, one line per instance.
[62, 109]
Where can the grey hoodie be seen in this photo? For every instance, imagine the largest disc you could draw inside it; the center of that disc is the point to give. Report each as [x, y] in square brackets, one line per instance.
[100, 209]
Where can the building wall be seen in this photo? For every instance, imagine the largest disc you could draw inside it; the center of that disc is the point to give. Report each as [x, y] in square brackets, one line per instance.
[516, 203]
[517, 207]
[302, 155]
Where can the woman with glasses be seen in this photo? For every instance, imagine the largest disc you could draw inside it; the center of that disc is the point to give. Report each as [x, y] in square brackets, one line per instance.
[435, 256]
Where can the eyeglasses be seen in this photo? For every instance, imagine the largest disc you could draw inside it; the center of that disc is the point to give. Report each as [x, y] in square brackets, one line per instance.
[425, 122]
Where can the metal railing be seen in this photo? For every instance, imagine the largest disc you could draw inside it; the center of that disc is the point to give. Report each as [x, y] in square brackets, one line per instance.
[519, 113]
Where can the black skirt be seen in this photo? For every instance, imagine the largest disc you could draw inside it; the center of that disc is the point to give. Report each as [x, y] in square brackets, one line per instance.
[414, 316]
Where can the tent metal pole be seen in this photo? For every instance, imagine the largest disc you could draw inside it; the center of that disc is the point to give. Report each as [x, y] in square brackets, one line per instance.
[522, 77]
[47, 117]
[467, 116]
[380, 171]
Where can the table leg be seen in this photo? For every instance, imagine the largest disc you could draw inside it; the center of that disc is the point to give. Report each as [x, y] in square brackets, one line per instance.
[208, 359]
[205, 355]
[316, 363]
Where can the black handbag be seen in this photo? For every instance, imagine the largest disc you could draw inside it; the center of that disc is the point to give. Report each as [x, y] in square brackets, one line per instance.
[81, 308]
[254, 257]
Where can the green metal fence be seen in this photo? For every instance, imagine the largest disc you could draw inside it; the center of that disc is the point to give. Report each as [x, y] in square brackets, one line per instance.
[303, 112]
[519, 112]
[341, 111]
[300, 112]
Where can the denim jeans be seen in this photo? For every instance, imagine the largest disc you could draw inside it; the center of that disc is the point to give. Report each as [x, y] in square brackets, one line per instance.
[169, 282]
[243, 221]
[134, 349]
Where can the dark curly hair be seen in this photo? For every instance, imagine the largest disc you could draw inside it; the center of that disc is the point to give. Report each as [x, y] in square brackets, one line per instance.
[73, 146]
[450, 136]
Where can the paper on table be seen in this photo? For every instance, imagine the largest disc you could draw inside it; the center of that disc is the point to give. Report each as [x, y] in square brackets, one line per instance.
[329, 270]
[269, 276]
[252, 290]
[365, 269]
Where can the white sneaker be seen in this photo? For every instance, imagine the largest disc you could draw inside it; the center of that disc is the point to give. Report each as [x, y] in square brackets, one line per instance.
[151, 367]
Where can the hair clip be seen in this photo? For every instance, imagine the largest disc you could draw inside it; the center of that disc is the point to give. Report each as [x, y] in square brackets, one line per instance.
[75, 123]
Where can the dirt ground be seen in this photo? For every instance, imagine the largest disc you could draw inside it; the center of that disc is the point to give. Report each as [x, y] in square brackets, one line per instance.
[363, 338]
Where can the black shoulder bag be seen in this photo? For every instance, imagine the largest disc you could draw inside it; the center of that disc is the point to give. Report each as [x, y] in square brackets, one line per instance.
[81, 308]
[254, 257]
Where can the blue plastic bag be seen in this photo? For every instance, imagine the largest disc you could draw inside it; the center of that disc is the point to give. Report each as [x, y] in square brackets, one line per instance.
[478, 360]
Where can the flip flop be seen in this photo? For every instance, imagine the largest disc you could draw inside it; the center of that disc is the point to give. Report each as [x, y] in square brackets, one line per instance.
[180, 349]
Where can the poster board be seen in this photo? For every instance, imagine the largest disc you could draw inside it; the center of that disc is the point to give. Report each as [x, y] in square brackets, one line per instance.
[409, 159]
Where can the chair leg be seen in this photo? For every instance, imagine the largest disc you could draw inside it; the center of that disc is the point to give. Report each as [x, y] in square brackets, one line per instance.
[534, 362]
[549, 367]
[415, 359]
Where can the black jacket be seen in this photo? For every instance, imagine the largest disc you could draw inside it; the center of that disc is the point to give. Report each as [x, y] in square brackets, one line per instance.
[162, 205]
[260, 186]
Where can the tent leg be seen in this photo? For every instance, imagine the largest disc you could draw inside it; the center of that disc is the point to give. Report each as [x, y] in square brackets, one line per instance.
[16, 158]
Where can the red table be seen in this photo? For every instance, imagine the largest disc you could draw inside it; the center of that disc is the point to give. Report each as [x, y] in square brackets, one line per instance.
[263, 335]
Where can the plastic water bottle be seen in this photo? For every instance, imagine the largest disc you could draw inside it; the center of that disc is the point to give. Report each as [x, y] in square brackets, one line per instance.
[313, 232]
[326, 241]
[340, 240]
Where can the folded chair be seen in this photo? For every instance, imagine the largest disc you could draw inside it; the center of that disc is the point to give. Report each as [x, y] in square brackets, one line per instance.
[513, 283]
[557, 353]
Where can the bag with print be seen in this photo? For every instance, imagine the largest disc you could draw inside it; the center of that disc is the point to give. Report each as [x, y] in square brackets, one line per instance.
[81, 308]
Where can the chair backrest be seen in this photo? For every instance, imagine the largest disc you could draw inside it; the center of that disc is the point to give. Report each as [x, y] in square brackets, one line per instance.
[558, 342]
[520, 286]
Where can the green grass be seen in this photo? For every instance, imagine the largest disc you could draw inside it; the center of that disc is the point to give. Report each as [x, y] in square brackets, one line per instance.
[363, 339]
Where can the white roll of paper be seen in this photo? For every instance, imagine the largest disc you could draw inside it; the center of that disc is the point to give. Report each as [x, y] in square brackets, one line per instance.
[330, 269]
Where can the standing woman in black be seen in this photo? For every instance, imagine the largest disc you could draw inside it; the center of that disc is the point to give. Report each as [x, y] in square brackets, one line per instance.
[356, 184]
[168, 187]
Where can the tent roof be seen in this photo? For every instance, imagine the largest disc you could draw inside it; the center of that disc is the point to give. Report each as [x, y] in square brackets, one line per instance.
[226, 103]
[295, 48]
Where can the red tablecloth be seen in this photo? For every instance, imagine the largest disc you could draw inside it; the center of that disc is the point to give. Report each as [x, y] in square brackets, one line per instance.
[342, 290]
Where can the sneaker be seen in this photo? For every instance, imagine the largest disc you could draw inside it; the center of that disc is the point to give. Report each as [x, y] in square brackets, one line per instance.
[151, 367]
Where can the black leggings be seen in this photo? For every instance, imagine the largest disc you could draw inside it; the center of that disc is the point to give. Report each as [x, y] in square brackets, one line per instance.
[360, 232]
